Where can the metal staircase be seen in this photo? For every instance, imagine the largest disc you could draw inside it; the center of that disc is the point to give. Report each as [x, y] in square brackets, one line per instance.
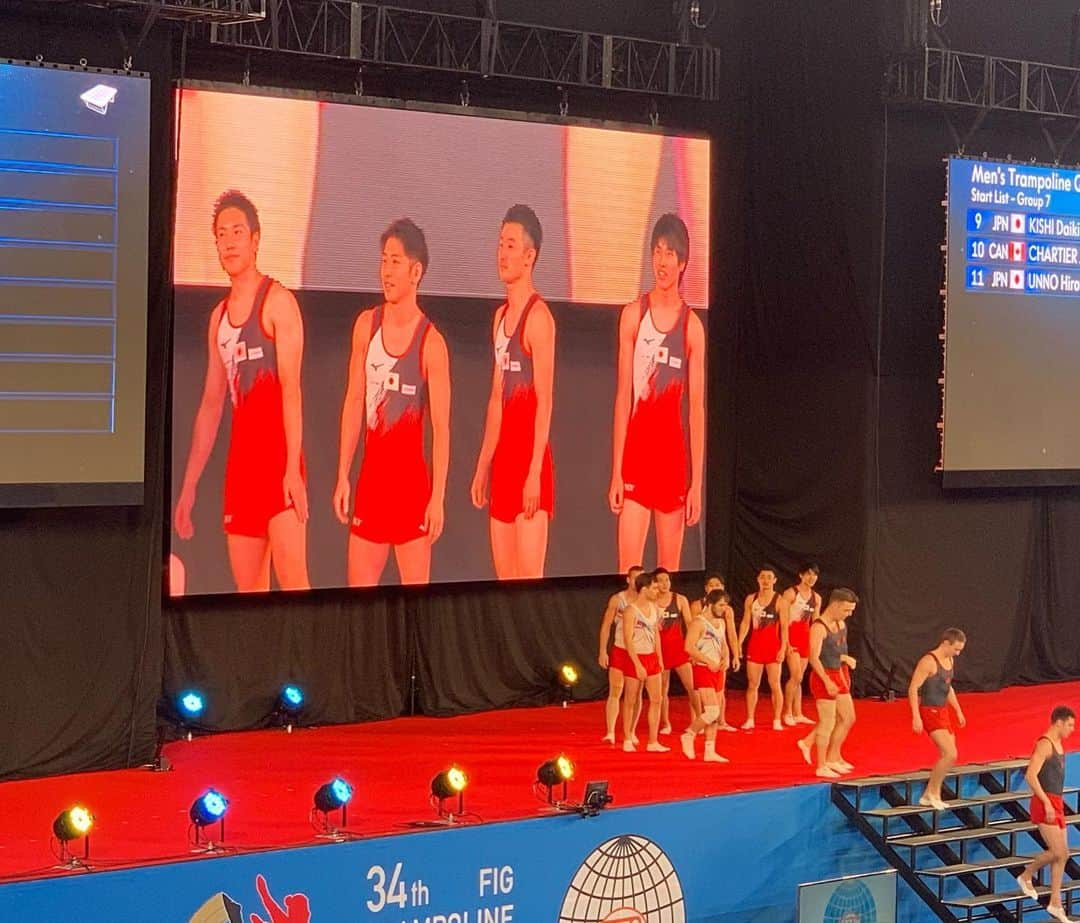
[961, 861]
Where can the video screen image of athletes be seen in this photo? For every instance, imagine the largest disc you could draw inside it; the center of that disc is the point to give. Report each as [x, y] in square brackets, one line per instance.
[429, 347]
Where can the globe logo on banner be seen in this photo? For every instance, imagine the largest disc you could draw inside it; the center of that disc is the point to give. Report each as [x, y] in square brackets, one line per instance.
[627, 879]
[851, 902]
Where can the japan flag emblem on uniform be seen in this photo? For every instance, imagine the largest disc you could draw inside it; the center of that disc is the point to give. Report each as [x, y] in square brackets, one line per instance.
[1016, 224]
[1016, 279]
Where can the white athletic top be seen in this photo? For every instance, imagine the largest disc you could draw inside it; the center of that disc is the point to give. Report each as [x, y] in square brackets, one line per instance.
[802, 609]
[620, 607]
[645, 627]
[712, 644]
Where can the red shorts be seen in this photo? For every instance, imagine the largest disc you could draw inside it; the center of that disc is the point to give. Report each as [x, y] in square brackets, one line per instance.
[839, 676]
[1038, 812]
[621, 661]
[799, 638]
[394, 487]
[764, 645]
[937, 718]
[513, 455]
[704, 678]
[673, 647]
[254, 475]
[654, 469]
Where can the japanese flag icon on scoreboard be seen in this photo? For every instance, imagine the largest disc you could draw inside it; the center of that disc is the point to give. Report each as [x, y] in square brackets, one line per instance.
[1016, 224]
[1017, 251]
[1016, 278]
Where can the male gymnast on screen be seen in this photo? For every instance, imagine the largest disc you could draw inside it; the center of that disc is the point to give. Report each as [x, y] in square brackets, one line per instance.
[398, 369]
[661, 360]
[515, 455]
[255, 342]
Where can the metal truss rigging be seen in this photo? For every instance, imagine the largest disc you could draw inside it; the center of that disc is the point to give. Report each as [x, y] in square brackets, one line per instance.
[212, 11]
[371, 33]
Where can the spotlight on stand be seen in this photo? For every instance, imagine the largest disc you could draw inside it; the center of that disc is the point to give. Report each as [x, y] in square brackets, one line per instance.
[190, 706]
[333, 796]
[289, 705]
[566, 678]
[179, 716]
[595, 800]
[447, 784]
[73, 824]
[558, 771]
[209, 808]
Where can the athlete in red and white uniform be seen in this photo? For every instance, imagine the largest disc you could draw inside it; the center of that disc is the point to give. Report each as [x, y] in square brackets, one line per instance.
[399, 371]
[674, 622]
[830, 682]
[710, 643]
[800, 605]
[1046, 776]
[255, 343]
[933, 701]
[768, 640]
[661, 370]
[641, 634]
[515, 454]
[617, 663]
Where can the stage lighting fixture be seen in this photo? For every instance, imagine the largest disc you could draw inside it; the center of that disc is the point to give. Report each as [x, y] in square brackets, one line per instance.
[333, 796]
[558, 771]
[445, 785]
[566, 678]
[289, 705]
[209, 808]
[595, 800]
[190, 704]
[72, 824]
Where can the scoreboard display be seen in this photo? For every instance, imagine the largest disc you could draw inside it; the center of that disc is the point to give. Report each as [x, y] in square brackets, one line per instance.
[1012, 331]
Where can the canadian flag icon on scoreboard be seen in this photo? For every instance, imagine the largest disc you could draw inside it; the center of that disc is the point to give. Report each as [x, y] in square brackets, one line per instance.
[1017, 251]
[1016, 278]
[1016, 224]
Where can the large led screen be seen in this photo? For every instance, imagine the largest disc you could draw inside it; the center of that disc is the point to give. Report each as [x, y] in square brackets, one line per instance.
[424, 346]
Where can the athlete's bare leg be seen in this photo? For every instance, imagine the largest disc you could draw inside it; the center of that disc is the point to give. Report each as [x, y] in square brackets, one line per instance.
[288, 551]
[772, 671]
[793, 688]
[845, 719]
[821, 734]
[632, 530]
[946, 745]
[414, 560]
[710, 712]
[652, 688]
[367, 561]
[177, 576]
[686, 677]
[631, 702]
[753, 681]
[1055, 855]
[637, 710]
[503, 549]
[249, 558]
[669, 538]
[665, 702]
[611, 707]
[531, 536]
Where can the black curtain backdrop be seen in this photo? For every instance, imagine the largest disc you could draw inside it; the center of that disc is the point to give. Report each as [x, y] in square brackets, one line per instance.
[823, 400]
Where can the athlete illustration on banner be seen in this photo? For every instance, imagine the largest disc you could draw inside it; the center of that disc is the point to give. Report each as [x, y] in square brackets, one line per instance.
[294, 908]
[515, 455]
[255, 342]
[399, 368]
[661, 367]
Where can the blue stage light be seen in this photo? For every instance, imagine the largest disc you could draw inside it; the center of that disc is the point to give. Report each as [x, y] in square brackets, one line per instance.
[208, 808]
[190, 703]
[333, 795]
[292, 699]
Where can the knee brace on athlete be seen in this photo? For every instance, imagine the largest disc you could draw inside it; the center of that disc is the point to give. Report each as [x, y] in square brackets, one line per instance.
[710, 713]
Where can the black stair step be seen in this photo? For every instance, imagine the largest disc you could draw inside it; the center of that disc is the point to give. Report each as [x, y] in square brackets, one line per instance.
[921, 774]
[969, 802]
[971, 833]
[965, 868]
[1004, 897]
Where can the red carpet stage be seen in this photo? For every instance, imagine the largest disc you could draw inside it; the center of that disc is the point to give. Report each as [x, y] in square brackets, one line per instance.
[270, 776]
